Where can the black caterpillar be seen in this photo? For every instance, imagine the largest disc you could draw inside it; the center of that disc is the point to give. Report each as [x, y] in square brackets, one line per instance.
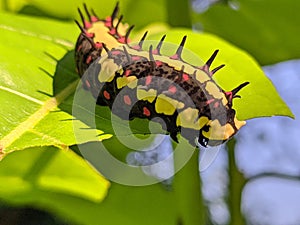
[145, 84]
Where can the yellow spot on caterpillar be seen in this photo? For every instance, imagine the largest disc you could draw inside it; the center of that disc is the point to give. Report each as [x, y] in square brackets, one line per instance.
[177, 64]
[218, 132]
[102, 35]
[123, 81]
[163, 106]
[238, 123]
[108, 69]
[214, 90]
[202, 76]
[120, 71]
[133, 83]
[188, 118]
[149, 95]
[122, 27]
[167, 105]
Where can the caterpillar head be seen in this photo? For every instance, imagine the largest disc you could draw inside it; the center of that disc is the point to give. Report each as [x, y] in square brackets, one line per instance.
[206, 131]
[223, 124]
[213, 133]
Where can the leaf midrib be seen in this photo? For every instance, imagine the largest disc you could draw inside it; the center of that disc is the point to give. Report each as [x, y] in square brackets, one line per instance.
[36, 117]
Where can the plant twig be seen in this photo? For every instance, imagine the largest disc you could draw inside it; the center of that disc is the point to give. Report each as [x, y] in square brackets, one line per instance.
[187, 190]
[236, 185]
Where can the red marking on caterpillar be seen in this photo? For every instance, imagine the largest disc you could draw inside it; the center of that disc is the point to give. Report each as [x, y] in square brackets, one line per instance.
[87, 24]
[155, 51]
[127, 73]
[185, 77]
[210, 101]
[172, 89]
[217, 104]
[127, 100]
[158, 63]
[176, 57]
[136, 58]
[94, 19]
[107, 22]
[87, 83]
[116, 52]
[90, 35]
[146, 111]
[89, 59]
[148, 80]
[122, 40]
[98, 45]
[79, 48]
[106, 95]
[113, 31]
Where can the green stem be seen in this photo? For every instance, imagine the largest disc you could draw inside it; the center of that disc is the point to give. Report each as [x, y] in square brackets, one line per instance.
[187, 190]
[236, 185]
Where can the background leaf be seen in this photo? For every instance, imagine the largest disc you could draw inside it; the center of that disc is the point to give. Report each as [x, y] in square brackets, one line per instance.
[46, 170]
[267, 29]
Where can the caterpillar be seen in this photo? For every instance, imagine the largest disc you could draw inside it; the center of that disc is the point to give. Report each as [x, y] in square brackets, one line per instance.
[138, 83]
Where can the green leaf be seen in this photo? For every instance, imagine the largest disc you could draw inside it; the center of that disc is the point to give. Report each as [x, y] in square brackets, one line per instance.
[33, 172]
[268, 29]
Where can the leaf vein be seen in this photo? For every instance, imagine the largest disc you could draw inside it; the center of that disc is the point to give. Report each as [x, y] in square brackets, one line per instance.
[21, 95]
[36, 117]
